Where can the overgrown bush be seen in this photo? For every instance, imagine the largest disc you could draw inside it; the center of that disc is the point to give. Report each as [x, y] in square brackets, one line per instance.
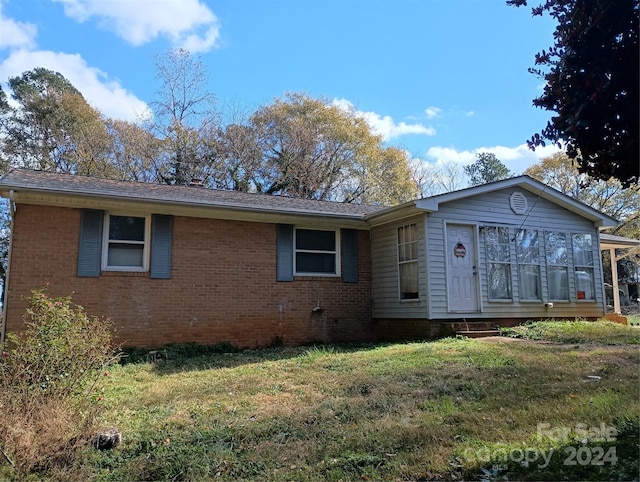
[49, 383]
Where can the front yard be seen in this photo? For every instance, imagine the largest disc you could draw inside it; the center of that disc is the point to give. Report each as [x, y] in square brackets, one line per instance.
[453, 409]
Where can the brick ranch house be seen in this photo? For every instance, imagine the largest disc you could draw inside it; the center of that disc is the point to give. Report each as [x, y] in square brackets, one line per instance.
[173, 264]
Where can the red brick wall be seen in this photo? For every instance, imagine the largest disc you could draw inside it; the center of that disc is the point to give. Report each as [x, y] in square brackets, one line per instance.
[406, 329]
[223, 286]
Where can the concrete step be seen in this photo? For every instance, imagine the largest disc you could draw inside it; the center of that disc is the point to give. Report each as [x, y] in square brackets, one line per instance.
[471, 325]
[477, 333]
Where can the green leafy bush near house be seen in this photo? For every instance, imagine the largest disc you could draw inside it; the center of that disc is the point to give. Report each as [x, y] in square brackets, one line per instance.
[50, 380]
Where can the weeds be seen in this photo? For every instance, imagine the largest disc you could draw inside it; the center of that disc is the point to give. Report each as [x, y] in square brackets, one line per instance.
[578, 331]
[175, 353]
[49, 384]
[601, 458]
[386, 412]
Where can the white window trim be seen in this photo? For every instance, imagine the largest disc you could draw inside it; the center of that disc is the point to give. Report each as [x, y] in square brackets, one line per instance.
[336, 253]
[145, 250]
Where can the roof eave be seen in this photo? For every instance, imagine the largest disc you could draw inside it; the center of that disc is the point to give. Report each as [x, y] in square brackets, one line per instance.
[87, 200]
[600, 220]
[393, 214]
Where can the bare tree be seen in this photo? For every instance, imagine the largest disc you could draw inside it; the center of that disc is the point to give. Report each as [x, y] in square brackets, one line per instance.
[183, 113]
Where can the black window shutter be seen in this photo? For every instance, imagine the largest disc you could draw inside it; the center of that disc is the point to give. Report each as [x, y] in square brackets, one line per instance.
[284, 255]
[90, 245]
[349, 255]
[161, 238]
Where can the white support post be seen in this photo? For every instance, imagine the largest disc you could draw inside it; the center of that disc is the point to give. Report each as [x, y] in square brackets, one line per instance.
[614, 281]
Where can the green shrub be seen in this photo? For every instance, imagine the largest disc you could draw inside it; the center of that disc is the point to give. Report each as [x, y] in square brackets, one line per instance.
[49, 381]
[176, 353]
[575, 331]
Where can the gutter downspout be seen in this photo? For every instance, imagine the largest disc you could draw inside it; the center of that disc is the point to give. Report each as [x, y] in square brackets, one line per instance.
[3, 322]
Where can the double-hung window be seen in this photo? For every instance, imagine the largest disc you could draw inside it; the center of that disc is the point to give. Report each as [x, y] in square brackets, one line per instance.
[316, 252]
[528, 256]
[557, 257]
[408, 261]
[126, 243]
[583, 265]
[498, 249]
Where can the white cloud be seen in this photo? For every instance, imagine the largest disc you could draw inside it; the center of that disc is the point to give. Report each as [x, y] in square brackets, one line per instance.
[470, 113]
[187, 24]
[16, 34]
[108, 96]
[517, 159]
[445, 155]
[433, 112]
[385, 126]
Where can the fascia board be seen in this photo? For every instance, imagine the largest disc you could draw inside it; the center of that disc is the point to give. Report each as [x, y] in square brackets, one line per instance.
[599, 219]
[393, 214]
[527, 183]
[200, 210]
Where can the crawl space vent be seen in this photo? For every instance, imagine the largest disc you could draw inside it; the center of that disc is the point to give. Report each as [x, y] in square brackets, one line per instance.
[518, 203]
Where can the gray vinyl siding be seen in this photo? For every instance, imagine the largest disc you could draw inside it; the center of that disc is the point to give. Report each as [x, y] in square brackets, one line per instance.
[490, 209]
[494, 210]
[384, 272]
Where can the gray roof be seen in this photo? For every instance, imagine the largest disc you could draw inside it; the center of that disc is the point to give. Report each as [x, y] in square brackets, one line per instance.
[611, 240]
[74, 185]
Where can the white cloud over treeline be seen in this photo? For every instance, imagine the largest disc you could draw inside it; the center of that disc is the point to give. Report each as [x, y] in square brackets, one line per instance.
[384, 125]
[517, 158]
[187, 24]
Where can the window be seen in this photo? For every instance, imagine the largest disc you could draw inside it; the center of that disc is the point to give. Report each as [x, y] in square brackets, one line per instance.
[316, 252]
[125, 243]
[557, 257]
[528, 256]
[408, 261]
[497, 246]
[583, 265]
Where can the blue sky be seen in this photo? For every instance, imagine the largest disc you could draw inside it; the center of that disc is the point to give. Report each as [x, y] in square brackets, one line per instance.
[444, 79]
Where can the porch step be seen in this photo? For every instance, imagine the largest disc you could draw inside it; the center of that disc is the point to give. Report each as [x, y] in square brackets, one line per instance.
[477, 333]
[456, 326]
[470, 329]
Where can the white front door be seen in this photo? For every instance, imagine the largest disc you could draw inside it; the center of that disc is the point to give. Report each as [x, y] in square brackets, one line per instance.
[462, 280]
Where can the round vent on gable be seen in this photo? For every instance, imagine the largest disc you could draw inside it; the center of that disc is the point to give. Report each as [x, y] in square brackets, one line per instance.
[518, 203]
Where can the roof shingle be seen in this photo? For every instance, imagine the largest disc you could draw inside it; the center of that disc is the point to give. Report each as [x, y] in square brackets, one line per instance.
[48, 182]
